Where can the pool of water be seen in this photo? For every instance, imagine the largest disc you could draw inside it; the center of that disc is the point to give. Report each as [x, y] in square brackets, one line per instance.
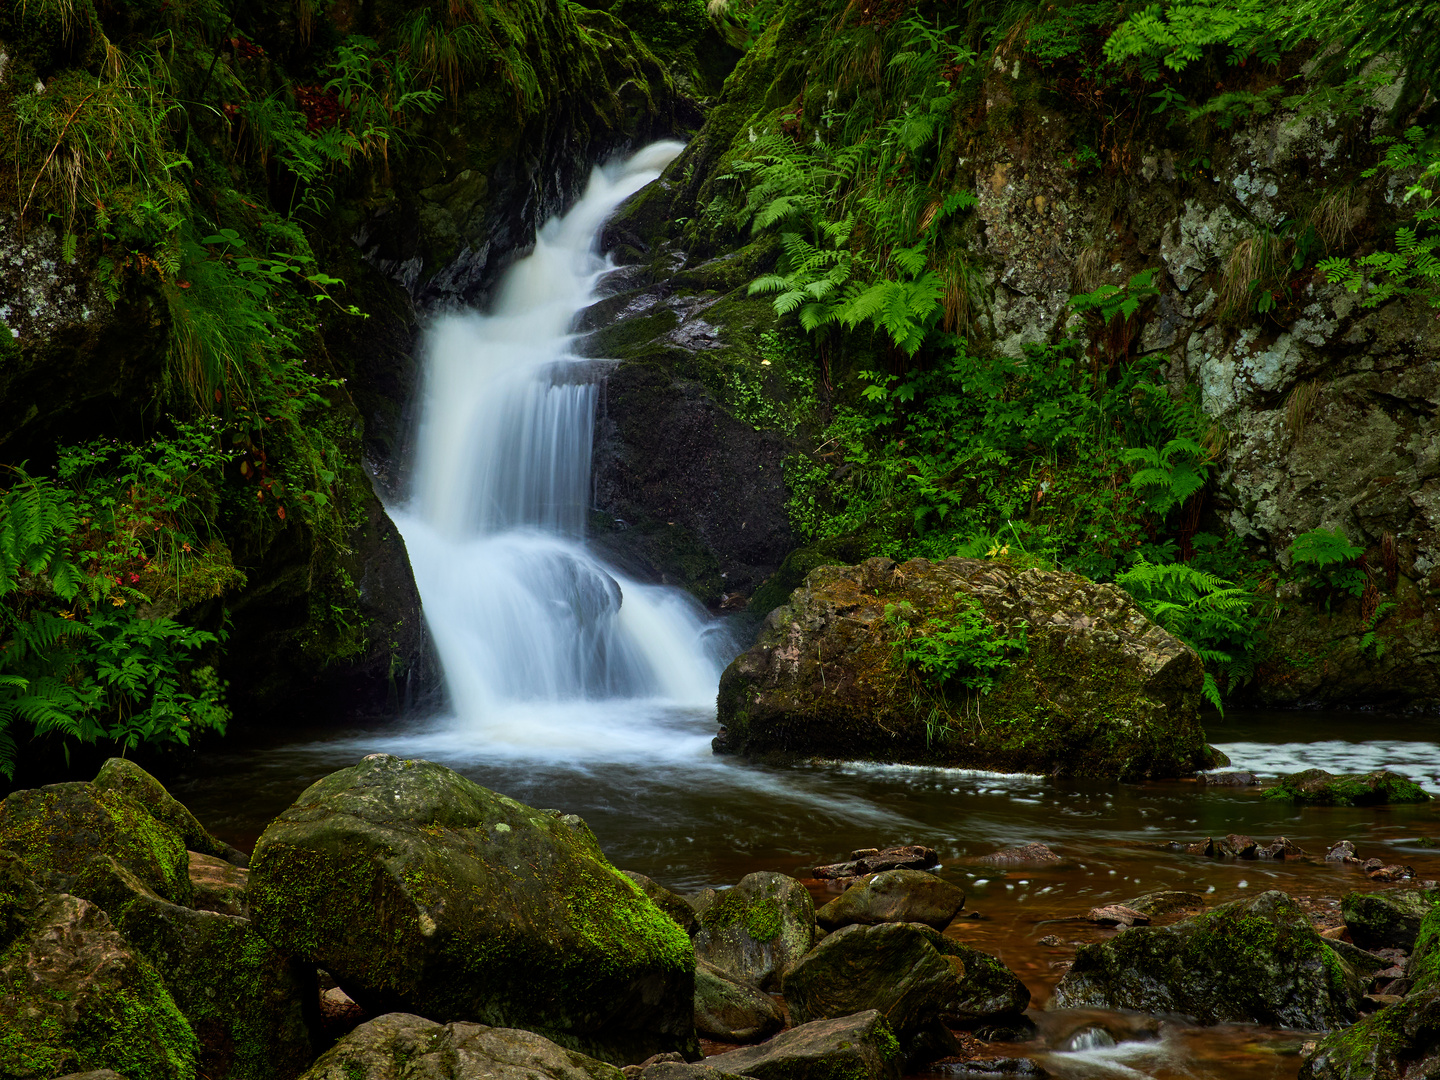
[644, 779]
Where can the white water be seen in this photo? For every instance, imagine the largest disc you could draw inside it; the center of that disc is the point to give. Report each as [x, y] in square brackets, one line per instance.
[546, 649]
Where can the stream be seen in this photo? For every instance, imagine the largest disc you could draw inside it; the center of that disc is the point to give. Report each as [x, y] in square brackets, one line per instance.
[572, 686]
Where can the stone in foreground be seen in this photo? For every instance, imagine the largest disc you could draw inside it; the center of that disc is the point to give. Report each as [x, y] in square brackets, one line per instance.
[1316, 787]
[1399, 1042]
[421, 891]
[1389, 918]
[1249, 961]
[732, 1011]
[859, 1047]
[895, 896]
[124, 776]
[1102, 691]
[402, 1046]
[757, 931]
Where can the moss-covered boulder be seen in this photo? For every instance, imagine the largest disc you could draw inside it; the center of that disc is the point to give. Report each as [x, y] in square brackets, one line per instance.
[1389, 918]
[1100, 690]
[1316, 787]
[758, 930]
[895, 896]
[419, 890]
[124, 776]
[219, 885]
[987, 993]
[671, 903]
[249, 1004]
[859, 1047]
[891, 967]
[401, 1046]
[1396, 1043]
[730, 1010]
[1249, 961]
[74, 996]
[95, 843]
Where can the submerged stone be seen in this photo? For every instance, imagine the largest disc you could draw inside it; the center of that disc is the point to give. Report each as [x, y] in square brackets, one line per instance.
[1100, 690]
[401, 1046]
[759, 930]
[895, 896]
[1249, 961]
[1316, 787]
[420, 890]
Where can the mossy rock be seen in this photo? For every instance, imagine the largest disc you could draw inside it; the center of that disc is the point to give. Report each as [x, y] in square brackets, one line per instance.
[986, 993]
[730, 1010]
[672, 904]
[398, 1046]
[1316, 787]
[895, 896]
[858, 1047]
[1423, 967]
[124, 776]
[247, 1002]
[1100, 690]
[1388, 919]
[93, 842]
[759, 930]
[1252, 961]
[75, 996]
[1396, 1043]
[421, 891]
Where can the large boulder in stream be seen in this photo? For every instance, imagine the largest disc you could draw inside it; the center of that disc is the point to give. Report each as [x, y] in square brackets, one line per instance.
[1100, 690]
[895, 896]
[423, 892]
[1252, 961]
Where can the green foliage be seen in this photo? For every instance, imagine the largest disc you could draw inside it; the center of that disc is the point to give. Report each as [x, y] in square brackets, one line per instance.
[1325, 560]
[1177, 34]
[963, 649]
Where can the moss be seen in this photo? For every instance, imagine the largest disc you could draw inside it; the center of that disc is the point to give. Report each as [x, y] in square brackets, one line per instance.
[1423, 967]
[1316, 787]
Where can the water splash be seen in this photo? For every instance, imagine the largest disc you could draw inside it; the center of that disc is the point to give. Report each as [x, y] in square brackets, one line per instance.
[533, 630]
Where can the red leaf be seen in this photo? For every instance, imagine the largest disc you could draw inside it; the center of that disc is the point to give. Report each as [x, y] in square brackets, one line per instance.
[281, 513]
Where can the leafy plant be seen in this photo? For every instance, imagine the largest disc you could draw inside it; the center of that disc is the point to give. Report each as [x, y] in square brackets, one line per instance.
[1327, 561]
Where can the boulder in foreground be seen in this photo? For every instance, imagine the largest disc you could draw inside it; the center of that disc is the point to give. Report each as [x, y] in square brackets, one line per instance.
[1101, 690]
[732, 1011]
[421, 891]
[1249, 961]
[859, 1047]
[759, 930]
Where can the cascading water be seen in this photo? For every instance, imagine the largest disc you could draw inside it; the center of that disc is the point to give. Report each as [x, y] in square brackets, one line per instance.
[529, 624]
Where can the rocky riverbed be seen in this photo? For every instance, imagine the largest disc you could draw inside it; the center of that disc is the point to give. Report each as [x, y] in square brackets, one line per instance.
[399, 920]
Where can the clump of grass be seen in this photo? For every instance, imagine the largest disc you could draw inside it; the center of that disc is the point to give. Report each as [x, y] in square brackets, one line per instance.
[1336, 215]
[1300, 404]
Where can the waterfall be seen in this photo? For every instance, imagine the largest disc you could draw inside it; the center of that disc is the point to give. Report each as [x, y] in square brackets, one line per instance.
[544, 646]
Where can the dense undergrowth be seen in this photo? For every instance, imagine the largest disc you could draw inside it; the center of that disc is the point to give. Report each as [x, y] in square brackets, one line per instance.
[1075, 454]
[191, 157]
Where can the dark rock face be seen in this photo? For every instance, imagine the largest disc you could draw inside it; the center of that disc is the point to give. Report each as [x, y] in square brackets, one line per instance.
[1316, 787]
[1102, 691]
[416, 888]
[1248, 961]
[732, 1011]
[987, 994]
[859, 1047]
[759, 930]
[1388, 919]
[895, 896]
[1397, 1042]
[400, 1045]
[74, 996]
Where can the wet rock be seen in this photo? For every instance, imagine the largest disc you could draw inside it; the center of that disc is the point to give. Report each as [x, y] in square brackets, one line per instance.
[989, 994]
[1316, 787]
[1248, 961]
[1026, 855]
[414, 886]
[400, 1046]
[1422, 969]
[672, 904]
[759, 930]
[218, 886]
[1376, 870]
[124, 776]
[1102, 691]
[895, 896]
[340, 1014]
[995, 1067]
[1397, 1042]
[1166, 902]
[78, 997]
[732, 1011]
[875, 860]
[1239, 846]
[1117, 915]
[859, 1047]
[244, 999]
[893, 967]
[1343, 852]
[633, 1071]
[1387, 918]
[672, 1070]
[92, 842]
[1229, 779]
[1281, 848]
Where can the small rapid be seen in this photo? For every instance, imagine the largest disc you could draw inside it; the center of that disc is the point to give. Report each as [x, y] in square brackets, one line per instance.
[532, 629]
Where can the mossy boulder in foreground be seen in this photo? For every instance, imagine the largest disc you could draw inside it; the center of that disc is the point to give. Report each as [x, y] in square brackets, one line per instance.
[1249, 961]
[399, 1046]
[1101, 690]
[858, 1047]
[421, 891]
[1389, 918]
[759, 930]
[1399, 1042]
[1316, 787]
